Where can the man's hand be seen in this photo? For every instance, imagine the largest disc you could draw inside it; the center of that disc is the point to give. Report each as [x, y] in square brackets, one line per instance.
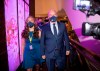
[43, 57]
[67, 52]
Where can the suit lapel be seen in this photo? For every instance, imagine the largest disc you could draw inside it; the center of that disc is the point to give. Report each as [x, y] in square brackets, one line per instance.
[59, 28]
[50, 28]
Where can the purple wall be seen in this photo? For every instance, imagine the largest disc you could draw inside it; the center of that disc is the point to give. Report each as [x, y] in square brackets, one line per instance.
[23, 13]
[76, 18]
[12, 34]
[15, 15]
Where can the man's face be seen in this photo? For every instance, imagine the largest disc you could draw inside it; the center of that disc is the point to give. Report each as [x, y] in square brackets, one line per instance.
[52, 16]
[52, 13]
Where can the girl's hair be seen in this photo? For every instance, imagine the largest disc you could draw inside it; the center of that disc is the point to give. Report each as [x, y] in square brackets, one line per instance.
[25, 32]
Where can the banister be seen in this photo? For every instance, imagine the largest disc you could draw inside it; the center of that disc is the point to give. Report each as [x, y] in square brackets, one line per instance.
[97, 57]
[92, 58]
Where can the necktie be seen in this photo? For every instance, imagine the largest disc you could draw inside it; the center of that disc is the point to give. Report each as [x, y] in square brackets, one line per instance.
[55, 30]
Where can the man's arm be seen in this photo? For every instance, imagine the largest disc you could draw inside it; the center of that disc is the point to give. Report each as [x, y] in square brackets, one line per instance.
[66, 39]
[42, 43]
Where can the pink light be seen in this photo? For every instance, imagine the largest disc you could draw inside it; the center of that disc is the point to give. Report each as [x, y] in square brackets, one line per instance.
[12, 25]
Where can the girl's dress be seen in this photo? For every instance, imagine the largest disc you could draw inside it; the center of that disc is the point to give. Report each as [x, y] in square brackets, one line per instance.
[32, 54]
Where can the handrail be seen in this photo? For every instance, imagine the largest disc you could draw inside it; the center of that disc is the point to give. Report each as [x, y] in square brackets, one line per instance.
[88, 55]
[97, 57]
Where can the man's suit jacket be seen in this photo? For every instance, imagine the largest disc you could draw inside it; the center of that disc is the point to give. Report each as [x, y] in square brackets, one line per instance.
[52, 46]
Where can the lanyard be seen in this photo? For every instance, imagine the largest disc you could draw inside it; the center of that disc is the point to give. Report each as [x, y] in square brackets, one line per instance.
[30, 39]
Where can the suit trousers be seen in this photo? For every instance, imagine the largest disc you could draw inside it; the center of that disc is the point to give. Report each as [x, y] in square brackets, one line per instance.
[58, 61]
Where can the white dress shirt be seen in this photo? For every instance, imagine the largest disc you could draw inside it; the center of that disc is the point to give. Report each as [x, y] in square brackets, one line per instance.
[51, 26]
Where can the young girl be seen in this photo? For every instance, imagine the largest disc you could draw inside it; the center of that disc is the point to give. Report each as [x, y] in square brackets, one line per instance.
[31, 44]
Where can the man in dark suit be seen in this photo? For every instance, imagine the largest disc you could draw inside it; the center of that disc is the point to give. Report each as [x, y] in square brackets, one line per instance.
[54, 38]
